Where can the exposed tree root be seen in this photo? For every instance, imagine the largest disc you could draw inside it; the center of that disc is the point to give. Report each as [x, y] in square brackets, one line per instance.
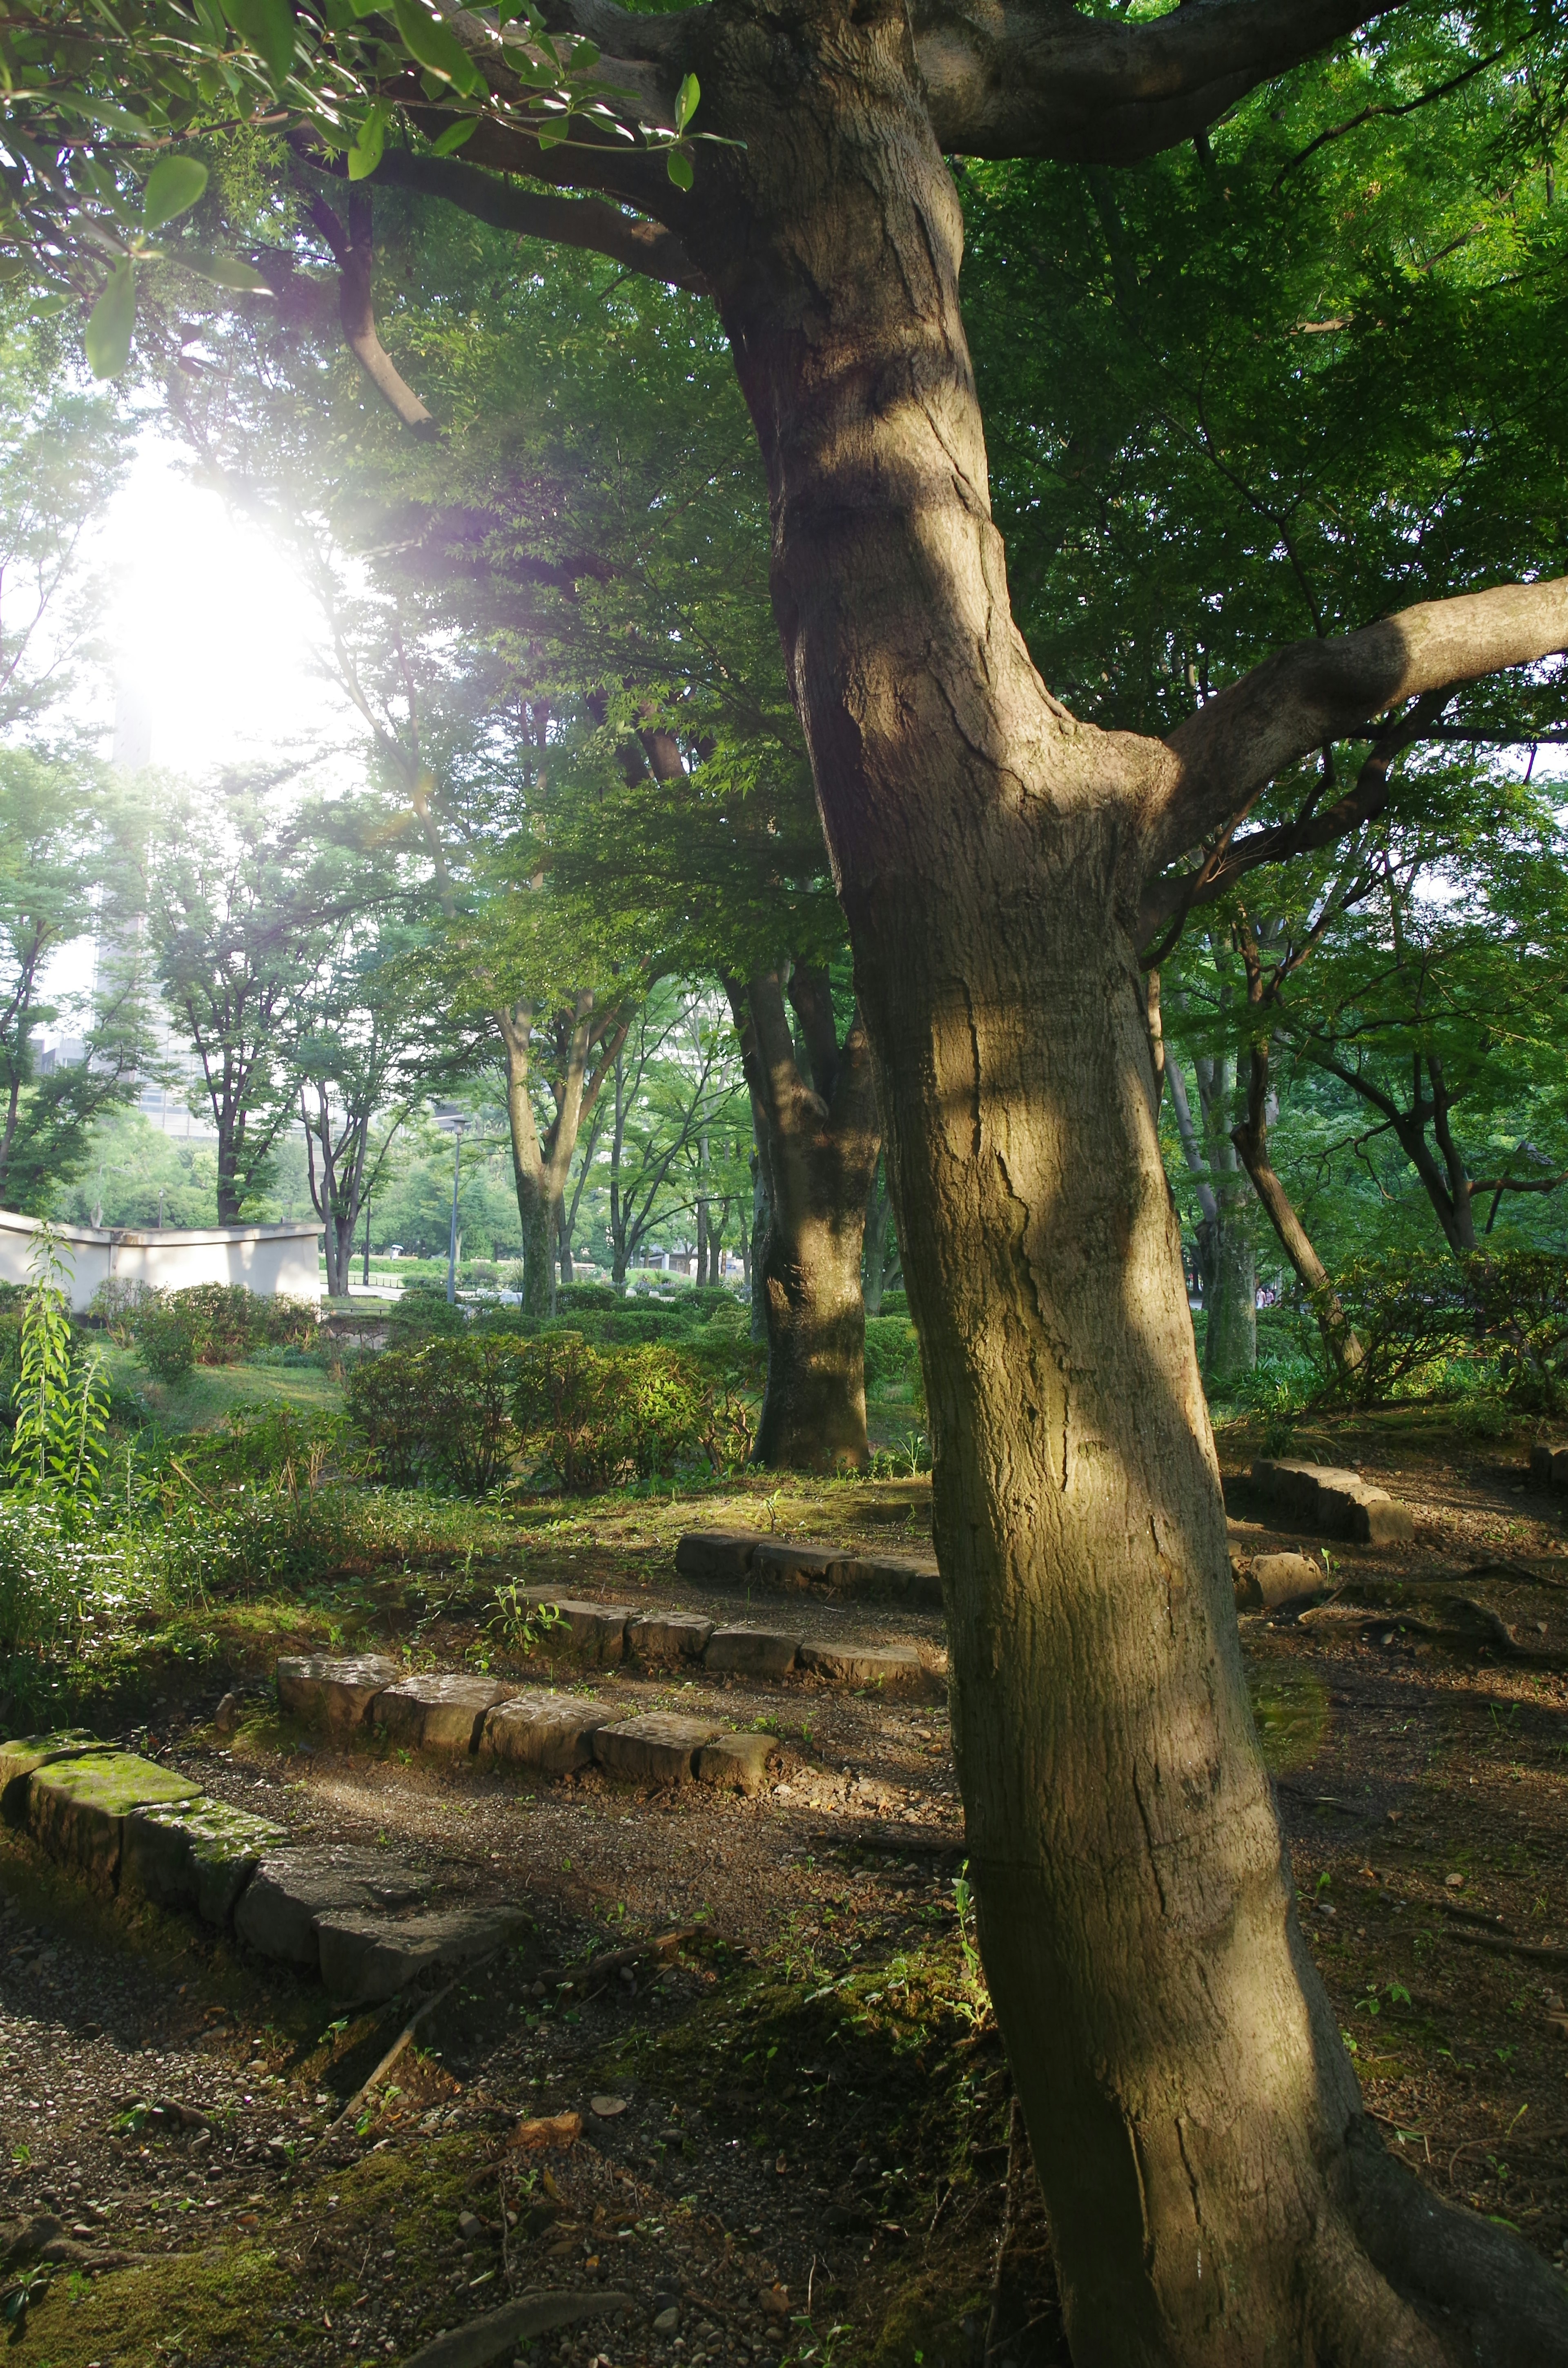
[1488, 2297]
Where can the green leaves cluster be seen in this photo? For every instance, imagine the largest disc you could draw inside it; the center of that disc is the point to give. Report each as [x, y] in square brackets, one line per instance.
[98, 105]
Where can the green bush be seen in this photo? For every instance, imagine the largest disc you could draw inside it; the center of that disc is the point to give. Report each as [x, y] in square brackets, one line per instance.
[598, 1419]
[892, 1353]
[207, 1324]
[1432, 1324]
[469, 1411]
[441, 1410]
[165, 1335]
[587, 1298]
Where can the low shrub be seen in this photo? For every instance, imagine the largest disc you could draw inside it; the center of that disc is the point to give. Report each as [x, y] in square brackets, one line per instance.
[117, 1302]
[469, 1412]
[165, 1335]
[595, 1419]
[441, 1410]
[207, 1324]
[1434, 1325]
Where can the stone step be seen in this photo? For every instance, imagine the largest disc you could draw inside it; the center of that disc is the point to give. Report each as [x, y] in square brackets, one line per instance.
[733, 1558]
[745, 1648]
[366, 1924]
[1334, 1499]
[552, 1733]
[1548, 1465]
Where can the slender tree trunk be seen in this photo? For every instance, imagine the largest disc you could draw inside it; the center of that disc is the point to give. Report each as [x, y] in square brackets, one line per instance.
[822, 1145]
[1230, 1343]
[1206, 1241]
[1216, 2194]
[1251, 1139]
[761, 1227]
[878, 1227]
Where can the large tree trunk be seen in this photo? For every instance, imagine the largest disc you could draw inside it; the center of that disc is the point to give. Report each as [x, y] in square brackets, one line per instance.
[1215, 2192]
[821, 1143]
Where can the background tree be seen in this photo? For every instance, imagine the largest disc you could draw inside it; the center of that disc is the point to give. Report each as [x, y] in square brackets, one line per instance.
[244, 912]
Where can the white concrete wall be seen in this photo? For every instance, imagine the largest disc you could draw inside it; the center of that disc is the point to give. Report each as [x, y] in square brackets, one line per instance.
[268, 1260]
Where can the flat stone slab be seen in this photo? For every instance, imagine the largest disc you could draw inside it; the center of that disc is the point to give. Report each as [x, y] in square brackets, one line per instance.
[551, 1731]
[437, 1714]
[78, 1808]
[660, 1748]
[668, 1637]
[717, 1557]
[334, 1691]
[1273, 1579]
[789, 1564]
[1335, 1500]
[367, 1957]
[863, 1665]
[736, 1762]
[199, 1855]
[24, 1754]
[794, 1565]
[752, 1652]
[291, 1889]
[596, 1630]
[914, 1580]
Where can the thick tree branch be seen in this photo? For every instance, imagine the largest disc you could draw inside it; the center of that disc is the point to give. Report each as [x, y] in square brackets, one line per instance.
[1167, 902]
[354, 251]
[1035, 78]
[587, 223]
[1318, 691]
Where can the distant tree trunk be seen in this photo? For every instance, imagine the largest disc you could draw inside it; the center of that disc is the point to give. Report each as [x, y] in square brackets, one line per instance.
[1231, 1337]
[878, 1233]
[756, 1238]
[822, 1142]
[1251, 1139]
[1207, 1235]
[702, 1276]
[542, 1164]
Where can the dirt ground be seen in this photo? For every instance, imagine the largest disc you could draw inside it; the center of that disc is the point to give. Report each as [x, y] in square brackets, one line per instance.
[796, 2123]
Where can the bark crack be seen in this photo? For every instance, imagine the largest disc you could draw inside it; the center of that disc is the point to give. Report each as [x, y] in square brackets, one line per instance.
[1149, 1842]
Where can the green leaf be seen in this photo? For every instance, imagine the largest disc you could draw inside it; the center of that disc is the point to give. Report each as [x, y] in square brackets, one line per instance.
[366, 153]
[174, 185]
[687, 98]
[452, 137]
[677, 165]
[550, 131]
[223, 270]
[435, 47]
[111, 323]
[267, 26]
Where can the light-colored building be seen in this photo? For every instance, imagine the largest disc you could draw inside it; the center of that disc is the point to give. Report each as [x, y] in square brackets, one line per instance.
[271, 1260]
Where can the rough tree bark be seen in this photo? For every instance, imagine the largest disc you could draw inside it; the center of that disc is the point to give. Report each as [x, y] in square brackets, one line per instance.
[822, 1142]
[1216, 2194]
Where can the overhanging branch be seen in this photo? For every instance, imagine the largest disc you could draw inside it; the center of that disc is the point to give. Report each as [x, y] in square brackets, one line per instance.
[1035, 78]
[1320, 691]
[587, 223]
